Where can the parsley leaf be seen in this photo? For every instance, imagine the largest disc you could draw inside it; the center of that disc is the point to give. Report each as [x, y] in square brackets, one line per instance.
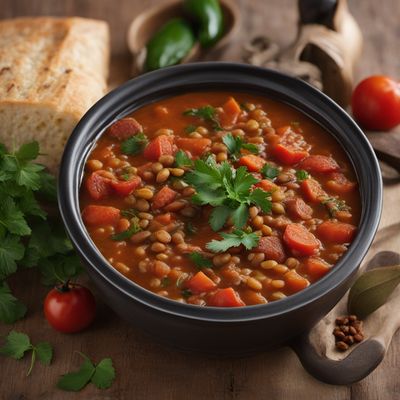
[226, 188]
[135, 144]
[134, 228]
[301, 175]
[101, 375]
[12, 218]
[234, 239]
[129, 213]
[17, 344]
[182, 160]
[269, 171]
[333, 205]
[206, 113]
[200, 261]
[11, 250]
[235, 145]
[190, 128]
[11, 309]
[28, 151]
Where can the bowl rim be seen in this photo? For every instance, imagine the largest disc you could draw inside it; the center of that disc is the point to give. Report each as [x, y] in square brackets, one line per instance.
[171, 81]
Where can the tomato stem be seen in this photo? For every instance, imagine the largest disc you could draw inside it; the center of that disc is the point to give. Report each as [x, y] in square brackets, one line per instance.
[64, 286]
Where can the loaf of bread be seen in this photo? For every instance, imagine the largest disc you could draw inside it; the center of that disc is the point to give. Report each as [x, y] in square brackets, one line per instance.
[52, 70]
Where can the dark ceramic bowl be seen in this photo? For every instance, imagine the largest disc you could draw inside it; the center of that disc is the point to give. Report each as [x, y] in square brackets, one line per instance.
[208, 329]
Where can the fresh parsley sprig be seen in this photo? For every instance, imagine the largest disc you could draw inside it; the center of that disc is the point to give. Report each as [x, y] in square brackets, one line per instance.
[135, 144]
[206, 113]
[127, 234]
[182, 160]
[334, 204]
[17, 344]
[234, 239]
[228, 190]
[101, 375]
[270, 172]
[200, 261]
[235, 144]
[302, 175]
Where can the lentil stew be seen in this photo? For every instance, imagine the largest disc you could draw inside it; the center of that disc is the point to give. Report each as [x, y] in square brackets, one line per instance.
[220, 199]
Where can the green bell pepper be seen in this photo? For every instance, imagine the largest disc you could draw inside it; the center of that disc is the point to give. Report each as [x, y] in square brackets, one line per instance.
[169, 45]
[209, 18]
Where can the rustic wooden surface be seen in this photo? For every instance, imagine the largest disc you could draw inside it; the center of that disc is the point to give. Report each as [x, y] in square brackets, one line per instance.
[144, 369]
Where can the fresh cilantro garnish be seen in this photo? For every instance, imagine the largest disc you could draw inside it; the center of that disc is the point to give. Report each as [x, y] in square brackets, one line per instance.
[190, 128]
[301, 175]
[234, 239]
[135, 144]
[134, 228]
[182, 160]
[29, 237]
[11, 309]
[227, 189]
[270, 172]
[129, 213]
[186, 293]
[206, 113]
[17, 344]
[101, 375]
[200, 261]
[235, 144]
[333, 205]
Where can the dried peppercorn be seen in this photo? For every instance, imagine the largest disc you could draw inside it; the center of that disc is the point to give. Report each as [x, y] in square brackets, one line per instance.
[348, 331]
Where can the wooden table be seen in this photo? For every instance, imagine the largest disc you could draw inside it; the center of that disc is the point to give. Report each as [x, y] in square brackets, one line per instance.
[144, 369]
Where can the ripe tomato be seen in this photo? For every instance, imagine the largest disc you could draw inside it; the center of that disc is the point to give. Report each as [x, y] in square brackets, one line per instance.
[69, 308]
[376, 103]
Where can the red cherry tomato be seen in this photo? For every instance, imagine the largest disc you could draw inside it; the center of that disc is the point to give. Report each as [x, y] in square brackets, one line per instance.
[376, 103]
[69, 308]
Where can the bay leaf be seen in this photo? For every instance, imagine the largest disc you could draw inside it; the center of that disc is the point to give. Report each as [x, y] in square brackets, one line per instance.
[371, 290]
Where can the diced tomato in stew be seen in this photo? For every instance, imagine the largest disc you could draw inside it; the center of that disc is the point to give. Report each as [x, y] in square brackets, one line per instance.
[162, 145]
[192, 227]
[124, 128]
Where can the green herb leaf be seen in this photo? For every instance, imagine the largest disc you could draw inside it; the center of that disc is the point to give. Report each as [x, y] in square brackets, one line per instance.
[372, 289]
[182, 160]
[190, 128]
[28, 151]
[270, 172]
[12, 218]
[44, 352]
[129, 213]
[261, 199]
[75, 381]
[190, 229]
[333, 205]
[11, 309]
[104, 374]
[11, 250]
[235, 145]
[234, 239]
[200, 261]
[218, 217]
[301, 175]
[16, 345]
[134, 228]
[239, 215]
[60, 267]
[206, 113]
[135, 144]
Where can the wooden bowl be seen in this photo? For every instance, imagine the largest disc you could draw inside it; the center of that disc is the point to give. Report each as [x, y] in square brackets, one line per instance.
[147, 23]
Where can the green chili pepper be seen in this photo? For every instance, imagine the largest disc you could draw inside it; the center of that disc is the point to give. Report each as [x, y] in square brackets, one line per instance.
[169, 45]
[208, 15]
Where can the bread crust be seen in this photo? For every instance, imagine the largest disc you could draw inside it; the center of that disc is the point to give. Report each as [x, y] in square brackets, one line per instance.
[52, 70]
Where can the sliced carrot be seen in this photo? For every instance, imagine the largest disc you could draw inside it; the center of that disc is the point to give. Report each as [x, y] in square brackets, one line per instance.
[162, 145]
[336, 232]
[200, 283]
[100, 215]
[124, 128]
[298, 208]
[231, 112]
[295, 282]
[339, 184]
[267, 185]
[225, 298]
[300, 240]
[196, 146]
[312, 190]
[163, 197]
[272, 247]
[98, 185]
[318, 163]
[252, 162]
[125, 188]
[316, 267]
[287, 154]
